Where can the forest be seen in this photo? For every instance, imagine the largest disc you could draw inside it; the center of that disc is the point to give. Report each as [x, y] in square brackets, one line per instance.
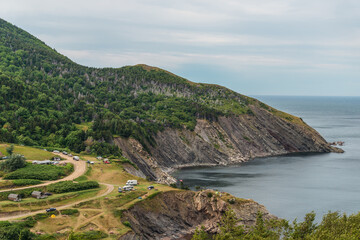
[47, 100]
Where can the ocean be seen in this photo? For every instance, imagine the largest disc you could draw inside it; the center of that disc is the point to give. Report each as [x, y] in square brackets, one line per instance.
[291, 186]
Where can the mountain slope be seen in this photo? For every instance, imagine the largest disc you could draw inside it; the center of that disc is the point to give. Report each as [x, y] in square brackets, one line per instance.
[159, 120]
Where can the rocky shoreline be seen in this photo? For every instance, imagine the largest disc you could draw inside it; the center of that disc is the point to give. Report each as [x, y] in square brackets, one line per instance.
[176, 214]
[229, 140]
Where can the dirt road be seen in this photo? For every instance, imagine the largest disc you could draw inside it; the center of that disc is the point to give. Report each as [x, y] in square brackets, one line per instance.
[109, 189]
[79, 169]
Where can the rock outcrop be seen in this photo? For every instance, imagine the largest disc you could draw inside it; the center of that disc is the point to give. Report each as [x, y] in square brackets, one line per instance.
[228, 140]
[176, 214]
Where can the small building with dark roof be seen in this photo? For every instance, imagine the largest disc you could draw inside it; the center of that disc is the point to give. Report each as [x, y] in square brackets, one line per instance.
[14, 197]
[38, 195]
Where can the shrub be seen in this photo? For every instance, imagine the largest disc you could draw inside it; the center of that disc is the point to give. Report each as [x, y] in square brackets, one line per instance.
[210, 194]
[127, 224]
[25, 182]
[16, 161]
[70, 212]
[41, 172]
[173, 185]
[69, 186]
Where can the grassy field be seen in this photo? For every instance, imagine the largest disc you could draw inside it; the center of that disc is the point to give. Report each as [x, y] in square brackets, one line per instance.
[55, 200]
[101, 214]
[29, 152]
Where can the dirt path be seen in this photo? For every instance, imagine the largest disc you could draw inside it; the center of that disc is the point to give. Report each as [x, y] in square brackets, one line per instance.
[79, 169]
[109, 189]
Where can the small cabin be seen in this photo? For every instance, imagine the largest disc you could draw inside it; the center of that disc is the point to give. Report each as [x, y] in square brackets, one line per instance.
[38, 195]
[14, 197]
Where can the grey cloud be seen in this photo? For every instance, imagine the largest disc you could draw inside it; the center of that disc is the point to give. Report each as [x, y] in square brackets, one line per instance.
[254, 44]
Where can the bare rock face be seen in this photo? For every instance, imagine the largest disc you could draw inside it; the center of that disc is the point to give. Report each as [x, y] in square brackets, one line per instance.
[175, 215]
[228, 140]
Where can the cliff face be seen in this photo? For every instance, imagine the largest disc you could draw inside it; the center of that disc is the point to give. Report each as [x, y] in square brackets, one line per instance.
[228, 140]
[175, 215]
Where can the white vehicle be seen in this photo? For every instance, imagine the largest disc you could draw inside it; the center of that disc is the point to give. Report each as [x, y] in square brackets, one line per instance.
[128, 188]
[76, 158]
[132, 182]
[56, 151]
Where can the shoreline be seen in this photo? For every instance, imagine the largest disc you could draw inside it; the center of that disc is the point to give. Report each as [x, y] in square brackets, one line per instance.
[248, 159]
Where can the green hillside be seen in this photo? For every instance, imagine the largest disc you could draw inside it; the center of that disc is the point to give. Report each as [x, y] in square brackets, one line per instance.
[45, 99]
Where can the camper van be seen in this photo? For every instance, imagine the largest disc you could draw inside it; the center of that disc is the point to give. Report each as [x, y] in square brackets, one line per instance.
[128, 188]
[131, 182]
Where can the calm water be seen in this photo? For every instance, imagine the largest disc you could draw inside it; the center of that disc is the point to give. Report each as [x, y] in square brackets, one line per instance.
[291, 186]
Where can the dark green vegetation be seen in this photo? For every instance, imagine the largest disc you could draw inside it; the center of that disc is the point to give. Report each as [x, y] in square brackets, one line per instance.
[48, 100]
[69, 212]
[59, 187]
[333, 226]
[16, 230]
[24, 193]
[70, 186]
[40, 172]
[25, 182]
[14, 162]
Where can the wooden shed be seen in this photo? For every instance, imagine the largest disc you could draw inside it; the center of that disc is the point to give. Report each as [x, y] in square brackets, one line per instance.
[38, 195]
[14, 197]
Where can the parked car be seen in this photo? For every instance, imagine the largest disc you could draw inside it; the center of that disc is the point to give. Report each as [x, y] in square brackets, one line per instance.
[76, 158]
[70, 155]
[56, 151]
[150, 187]
[48, 194]
[64, 152]
[51, 209]
[120, 190]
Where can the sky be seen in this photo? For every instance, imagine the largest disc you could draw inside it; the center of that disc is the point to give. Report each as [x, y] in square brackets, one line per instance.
[255, 47]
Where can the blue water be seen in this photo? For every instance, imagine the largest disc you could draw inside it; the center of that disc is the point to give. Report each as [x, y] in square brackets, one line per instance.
[291, 186]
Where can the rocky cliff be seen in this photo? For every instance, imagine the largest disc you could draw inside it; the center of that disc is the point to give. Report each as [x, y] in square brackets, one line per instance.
[227, 140]
[180, 123]
[176, 214]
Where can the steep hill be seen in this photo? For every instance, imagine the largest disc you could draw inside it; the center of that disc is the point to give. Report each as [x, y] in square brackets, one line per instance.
[160, 121]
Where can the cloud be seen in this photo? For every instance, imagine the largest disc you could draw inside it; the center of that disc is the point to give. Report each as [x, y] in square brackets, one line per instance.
[280, 38]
